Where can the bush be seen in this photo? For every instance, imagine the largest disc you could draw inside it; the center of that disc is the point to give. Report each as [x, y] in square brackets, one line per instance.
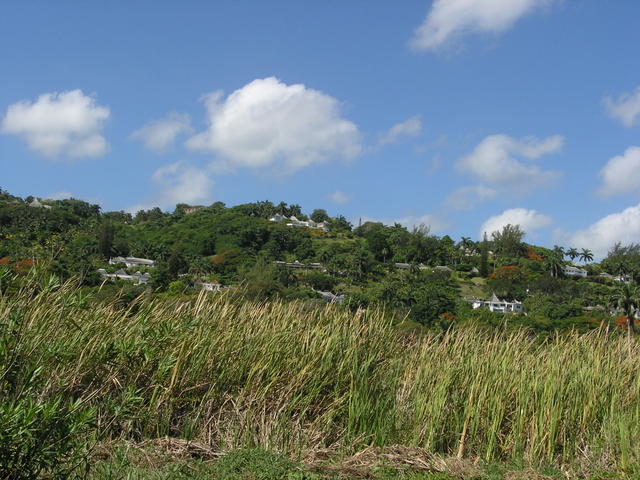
[42, 437]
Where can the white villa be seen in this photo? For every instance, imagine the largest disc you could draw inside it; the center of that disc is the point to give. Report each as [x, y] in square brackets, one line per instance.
[494, 304]
[572, 271]
[294, 222]
[36, 204]
[132, 262]
[138, 278]
[331, 297]
[300, 266]
[407, 266]
[209, 286]
[616, 278]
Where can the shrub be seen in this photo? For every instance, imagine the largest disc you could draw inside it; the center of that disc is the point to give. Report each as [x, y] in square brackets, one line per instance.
[39, 438]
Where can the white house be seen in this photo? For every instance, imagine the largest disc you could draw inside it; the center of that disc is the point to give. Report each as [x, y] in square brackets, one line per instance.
[331, 297]
[300, 266]
[294, 222]
[36, 204]
[494, 304]
[616, 278]
[132, 262]
[138, 278]
[209, 286]
[572, 271]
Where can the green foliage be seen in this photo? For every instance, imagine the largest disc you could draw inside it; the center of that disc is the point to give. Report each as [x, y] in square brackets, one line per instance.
[40, 434]
[546, 307]
[484, 256]
[508, 241]
[42, 438]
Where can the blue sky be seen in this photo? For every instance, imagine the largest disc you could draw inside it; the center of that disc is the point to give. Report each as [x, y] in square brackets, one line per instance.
[462, 114]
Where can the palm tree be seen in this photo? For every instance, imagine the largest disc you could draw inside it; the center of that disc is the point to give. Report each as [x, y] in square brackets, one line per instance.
[627, 298]
[559, 251]
[553, 263]
[573, 253]
[586, 255]
[467, 245]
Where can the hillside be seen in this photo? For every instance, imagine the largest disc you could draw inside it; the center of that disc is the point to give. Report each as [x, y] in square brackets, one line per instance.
[276, 251]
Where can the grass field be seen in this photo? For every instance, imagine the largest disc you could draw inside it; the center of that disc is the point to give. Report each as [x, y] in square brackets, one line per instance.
[308, 383]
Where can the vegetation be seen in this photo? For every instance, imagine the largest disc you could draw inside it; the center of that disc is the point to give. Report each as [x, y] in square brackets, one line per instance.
[229, 373]
[267, 380]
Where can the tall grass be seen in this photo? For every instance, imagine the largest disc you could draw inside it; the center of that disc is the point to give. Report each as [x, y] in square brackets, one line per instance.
[287, 377]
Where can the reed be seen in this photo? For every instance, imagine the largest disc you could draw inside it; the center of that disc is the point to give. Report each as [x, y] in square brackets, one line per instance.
[286, 377]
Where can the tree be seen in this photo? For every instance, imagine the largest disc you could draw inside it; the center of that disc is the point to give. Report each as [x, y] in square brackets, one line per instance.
[572, 253]
[467, 245]
[484, 256]
[176, 265]
[508, 241]
[553, 263]
[105, 242]
[586, 255]
[319, 215]
[340, 223]
[627, 299]
[559, 251]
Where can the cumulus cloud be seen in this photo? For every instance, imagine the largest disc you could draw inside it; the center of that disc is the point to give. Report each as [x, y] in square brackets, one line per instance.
[159, 135]
[267, 123]
[465, 198]
[339, 197]
[621, 227]
[451, 19]
[178, 183]
[498, 161]
[529, 221]
[411, 127]
[626, 108]
[67, 123]
[621, 174]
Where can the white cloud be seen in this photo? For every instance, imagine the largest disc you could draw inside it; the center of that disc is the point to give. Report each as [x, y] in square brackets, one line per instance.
[67, 123]
[465, 198]
[451, 19]
[621, 227]
[267, 123]
[338, 197]
[621, 174]
[411, 127]
[179, 183]
[529, 221]
[626, 108]
[497, 161]
[159, 135]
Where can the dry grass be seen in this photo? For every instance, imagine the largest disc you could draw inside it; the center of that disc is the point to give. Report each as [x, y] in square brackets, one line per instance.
[221, 373]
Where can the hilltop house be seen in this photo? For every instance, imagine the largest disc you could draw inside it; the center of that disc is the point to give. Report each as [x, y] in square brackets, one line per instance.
[294, 222]
[300, 266]
[616, 278]
[572, 271]
[36, 204]
[138, 278]
[132, 262]
[494, 304]
[209, 286]
[330, 297]
[407, 266]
